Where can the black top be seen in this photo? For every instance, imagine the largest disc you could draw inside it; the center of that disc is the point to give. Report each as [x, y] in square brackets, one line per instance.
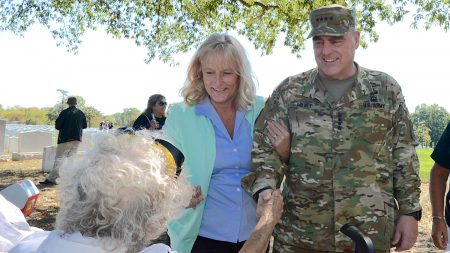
[441, 155]
[143, 121]
[70, 123]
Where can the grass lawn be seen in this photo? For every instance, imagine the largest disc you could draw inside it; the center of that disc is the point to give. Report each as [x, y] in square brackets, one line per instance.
[425, 163]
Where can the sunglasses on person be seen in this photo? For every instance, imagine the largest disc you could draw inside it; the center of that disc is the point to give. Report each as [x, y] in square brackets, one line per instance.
[162, 103]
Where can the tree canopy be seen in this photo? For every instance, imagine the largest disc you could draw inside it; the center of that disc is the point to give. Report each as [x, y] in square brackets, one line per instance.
[168, 27]
[433, 117]
[423, 134]
[26, 115]
[126, 117]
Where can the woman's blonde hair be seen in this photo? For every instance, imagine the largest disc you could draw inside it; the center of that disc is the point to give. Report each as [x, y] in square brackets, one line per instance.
[121, 192]
[226, 46]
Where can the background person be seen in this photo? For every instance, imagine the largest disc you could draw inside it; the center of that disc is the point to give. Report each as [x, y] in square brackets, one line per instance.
[352, 150]
[438, 183]
[213, 128]
[70, 123]
[110, 125]
[154, 116]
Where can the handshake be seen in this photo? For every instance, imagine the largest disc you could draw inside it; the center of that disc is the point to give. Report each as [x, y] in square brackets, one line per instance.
[270, 206]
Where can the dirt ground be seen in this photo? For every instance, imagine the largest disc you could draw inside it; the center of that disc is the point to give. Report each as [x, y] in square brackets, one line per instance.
[47, 204]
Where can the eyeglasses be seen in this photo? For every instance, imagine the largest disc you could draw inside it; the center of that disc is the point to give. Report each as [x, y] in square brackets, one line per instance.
[162, 103]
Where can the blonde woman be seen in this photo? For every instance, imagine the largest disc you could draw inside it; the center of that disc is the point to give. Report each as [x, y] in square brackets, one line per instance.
[213, 127]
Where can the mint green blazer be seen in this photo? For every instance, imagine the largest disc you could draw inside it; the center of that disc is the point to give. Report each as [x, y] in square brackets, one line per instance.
[194, 135]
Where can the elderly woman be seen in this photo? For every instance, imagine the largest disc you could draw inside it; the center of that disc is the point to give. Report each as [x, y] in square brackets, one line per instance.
[117, 199]
[213, 128]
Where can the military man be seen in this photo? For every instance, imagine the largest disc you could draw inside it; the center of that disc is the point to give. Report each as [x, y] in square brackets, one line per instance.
[352, 157]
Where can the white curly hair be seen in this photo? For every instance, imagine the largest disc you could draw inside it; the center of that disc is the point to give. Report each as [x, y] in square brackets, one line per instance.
[121, 192]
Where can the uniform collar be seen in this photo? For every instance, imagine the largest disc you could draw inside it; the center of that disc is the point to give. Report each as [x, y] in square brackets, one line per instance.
[318, 91]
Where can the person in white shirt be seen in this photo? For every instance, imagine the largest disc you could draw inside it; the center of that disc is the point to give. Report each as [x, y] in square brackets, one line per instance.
[118, 199]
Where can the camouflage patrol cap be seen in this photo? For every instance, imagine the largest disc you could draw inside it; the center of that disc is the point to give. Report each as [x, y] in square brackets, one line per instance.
[332, 20]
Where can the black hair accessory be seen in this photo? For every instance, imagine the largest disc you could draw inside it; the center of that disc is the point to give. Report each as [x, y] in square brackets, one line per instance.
[177, 155]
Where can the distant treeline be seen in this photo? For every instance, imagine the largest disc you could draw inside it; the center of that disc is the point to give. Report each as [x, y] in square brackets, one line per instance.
[48, 115]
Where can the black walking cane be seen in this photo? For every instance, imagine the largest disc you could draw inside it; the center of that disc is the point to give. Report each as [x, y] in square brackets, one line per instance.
[363, 243]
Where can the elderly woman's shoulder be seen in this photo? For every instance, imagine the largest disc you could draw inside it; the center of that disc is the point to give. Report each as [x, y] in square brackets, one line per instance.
[158, 248]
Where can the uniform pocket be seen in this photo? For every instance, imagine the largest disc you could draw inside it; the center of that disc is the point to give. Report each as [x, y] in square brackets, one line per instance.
[378, 124]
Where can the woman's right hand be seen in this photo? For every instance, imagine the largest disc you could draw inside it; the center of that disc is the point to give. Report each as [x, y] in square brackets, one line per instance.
[154, 125]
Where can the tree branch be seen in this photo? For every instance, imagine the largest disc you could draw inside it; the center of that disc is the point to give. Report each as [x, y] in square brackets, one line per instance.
[265, 7]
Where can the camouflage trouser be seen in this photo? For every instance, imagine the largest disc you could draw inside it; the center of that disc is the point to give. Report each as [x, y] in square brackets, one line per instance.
[277, 248]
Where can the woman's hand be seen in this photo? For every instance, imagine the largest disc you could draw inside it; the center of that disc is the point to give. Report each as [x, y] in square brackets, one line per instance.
[197, 197]
[280, 137]
[154, 125]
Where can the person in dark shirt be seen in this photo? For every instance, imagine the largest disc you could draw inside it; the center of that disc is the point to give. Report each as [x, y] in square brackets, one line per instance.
[154, 116]
[438, 179]
[70, 124]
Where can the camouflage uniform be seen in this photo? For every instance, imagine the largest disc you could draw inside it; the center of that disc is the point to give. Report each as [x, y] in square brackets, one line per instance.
[353, 161]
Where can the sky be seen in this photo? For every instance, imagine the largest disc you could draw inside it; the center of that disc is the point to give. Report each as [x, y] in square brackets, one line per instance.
[110, 74]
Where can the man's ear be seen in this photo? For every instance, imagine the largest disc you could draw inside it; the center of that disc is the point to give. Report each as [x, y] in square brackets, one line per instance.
[356, 37]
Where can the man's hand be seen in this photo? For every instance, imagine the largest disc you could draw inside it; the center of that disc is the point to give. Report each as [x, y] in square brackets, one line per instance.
[263, 200]
[439, 233]
[280, 137]
[406, 233]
